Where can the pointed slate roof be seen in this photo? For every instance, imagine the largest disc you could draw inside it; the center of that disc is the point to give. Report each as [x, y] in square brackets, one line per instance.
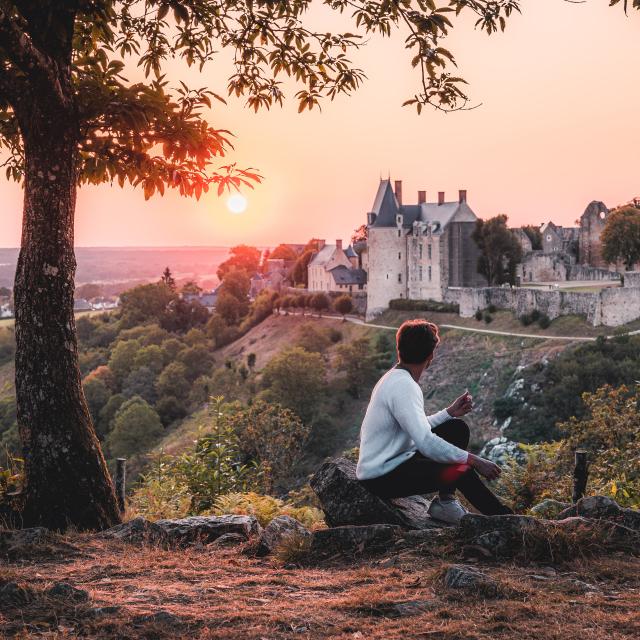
[386, 207]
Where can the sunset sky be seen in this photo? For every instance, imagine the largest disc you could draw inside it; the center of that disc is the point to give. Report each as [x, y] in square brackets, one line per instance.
[557, 128]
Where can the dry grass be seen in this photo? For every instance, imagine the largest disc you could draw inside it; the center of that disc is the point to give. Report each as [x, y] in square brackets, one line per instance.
[208, 593]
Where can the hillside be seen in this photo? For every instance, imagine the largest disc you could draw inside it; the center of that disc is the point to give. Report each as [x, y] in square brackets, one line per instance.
[483, 364]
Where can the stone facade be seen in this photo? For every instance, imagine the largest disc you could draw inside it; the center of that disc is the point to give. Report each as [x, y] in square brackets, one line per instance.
[612, 307]
[592, 224]
[418, 251]
[537, 266]
[333, 268]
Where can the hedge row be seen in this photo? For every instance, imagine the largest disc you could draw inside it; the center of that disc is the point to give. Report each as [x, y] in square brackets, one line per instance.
[403, 304]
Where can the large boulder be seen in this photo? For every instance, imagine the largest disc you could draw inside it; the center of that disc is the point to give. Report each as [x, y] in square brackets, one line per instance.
[470, 580]
[352, 540]
[137, 531]
[548, 508]
[602, 508]
[277, 531]
[205, 529]
[346, 501]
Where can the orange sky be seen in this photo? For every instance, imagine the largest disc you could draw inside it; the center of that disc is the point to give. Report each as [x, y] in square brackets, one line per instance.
[558, 127]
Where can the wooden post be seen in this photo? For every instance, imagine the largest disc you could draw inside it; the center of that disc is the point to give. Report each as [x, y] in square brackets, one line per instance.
[580, 474]
[121, 481]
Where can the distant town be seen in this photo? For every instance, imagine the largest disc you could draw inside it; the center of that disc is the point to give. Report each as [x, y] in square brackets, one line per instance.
[423, 249]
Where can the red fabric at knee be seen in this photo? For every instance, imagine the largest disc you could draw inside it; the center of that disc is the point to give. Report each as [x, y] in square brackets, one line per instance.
[452, 473]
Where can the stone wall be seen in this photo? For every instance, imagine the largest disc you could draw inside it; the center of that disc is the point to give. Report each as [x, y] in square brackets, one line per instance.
[632, 279]
[610, 307]
[584, 273]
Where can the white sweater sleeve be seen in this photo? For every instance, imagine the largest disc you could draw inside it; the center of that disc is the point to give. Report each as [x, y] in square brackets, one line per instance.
[408, 410]
[437, 419]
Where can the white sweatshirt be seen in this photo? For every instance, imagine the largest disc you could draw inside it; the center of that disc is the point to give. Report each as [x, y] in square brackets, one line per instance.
[395, 427]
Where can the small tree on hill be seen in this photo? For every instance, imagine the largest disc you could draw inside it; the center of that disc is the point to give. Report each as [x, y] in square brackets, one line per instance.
[320, 302]
[343, 305]
[295, 379]
[136, 426]
[167, 279]
[359, 362]
[500, 250]
[621, 237]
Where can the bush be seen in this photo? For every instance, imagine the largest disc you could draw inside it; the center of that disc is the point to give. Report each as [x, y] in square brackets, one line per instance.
[403, 304]
[487, 317]
[7, 345]
[544, 321]
[170, 409]
[335, 335]
[478, 315]
[526, 319]
[343, 305]
[492, 308]
[135, 427]
[312, 337]
[266, 508]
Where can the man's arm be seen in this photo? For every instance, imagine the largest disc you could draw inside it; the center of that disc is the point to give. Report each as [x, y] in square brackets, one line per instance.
[408, 409]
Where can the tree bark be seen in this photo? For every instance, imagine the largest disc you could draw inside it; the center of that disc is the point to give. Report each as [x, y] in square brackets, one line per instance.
[67, 481]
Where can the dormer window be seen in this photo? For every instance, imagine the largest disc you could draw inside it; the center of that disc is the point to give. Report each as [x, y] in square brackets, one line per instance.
[399, 220]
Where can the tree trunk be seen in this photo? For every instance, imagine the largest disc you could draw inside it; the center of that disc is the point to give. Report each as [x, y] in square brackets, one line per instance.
[67, 482]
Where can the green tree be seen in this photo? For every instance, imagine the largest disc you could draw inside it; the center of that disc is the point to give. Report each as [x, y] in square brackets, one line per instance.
[296, 379]
[320, 302]
[97, 395]
[191, 288]
[359, 363]
[136, 426]
[343, 305]
[535, 235]
[500, 250]
[312, 338]
[122, 359]
[108, 413]
[231, 309]
[300, 272]
[173, 381]
[144, 303]
[170, 409]
[283, 252]
[167, 279]
[151, 357]
[197, 360]
[140, 382]
[621, 237]
[181, 315]
[273, 436]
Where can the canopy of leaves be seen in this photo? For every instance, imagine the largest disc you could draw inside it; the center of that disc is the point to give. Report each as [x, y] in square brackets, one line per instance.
[500, 250]
[136, 425]
[621, 236]
[535, 235]
[243, 258]
[283, 252]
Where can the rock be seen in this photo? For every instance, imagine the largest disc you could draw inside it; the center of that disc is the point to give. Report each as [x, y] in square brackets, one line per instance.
[346, 501]
[66, 591]
[602, 508]
[396, 609]
[14, 595]
[549, 508]
[500, 450]
[228, 540]
[205, 529]
[159, 617]
[277, 531]
[137, 531]
[351, 540]
[14, 538]
[97, 612]
[470, 580]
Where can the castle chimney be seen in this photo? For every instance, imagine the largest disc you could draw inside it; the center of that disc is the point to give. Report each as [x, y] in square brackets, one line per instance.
[321, 244]
[440, 197]
[339, 245]
[422, 197]
[462, 195]
[398, 190]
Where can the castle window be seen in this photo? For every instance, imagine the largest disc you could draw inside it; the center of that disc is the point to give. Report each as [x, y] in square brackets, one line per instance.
[399, 278]
[602, 215]
[420, 271]
[429, 273]
[399, 255]
[429, 252]
[421, 251]
[399, 233]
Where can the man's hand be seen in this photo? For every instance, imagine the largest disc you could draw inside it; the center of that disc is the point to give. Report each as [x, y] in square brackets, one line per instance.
[485, 468]
[461, 406]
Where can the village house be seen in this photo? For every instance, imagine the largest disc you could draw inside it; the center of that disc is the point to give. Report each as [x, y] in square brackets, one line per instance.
[417, 251]
[333, 268]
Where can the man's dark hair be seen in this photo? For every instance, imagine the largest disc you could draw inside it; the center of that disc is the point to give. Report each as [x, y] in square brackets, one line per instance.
[416, 340]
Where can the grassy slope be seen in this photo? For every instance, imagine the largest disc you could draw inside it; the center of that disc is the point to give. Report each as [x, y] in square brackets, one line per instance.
[483, 364]
[506, 321]
[208, 593]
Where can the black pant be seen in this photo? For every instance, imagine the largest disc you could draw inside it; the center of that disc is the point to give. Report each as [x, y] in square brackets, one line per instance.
[419, 475]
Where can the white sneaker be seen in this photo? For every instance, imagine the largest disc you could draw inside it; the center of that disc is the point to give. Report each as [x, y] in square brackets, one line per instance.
[449, 511]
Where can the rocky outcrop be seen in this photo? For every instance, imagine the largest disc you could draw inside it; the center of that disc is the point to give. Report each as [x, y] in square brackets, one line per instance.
[470, 580]
[501, 450]
[206, 529]
[277, 531]
[602, 508]
[352, 540]
[66, 591]
[137, 531]
[345, 500]
[549, 508]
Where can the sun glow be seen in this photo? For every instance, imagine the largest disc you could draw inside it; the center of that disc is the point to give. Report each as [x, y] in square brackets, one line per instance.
[237, 203]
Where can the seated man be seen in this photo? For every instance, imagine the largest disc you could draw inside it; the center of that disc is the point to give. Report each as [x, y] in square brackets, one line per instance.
[403, 452]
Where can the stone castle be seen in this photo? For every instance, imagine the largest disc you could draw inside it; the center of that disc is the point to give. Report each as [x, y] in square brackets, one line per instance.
[418, 250]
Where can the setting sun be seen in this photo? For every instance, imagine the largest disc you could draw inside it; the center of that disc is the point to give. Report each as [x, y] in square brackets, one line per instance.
[237, 203]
